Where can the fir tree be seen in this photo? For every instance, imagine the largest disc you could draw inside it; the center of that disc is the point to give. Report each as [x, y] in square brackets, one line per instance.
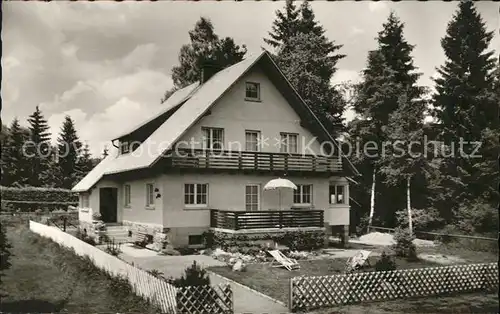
[205, 46]
[308, 59]
[85, 162]
[390, 73]
[68, 151]
[14, 162]
[39, 150]
[466, 106]
[285, 26]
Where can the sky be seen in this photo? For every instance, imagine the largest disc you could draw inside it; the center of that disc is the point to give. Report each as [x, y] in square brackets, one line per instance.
[107, 64]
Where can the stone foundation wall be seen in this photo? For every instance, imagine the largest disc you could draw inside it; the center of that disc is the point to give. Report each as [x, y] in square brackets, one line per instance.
[160, 235]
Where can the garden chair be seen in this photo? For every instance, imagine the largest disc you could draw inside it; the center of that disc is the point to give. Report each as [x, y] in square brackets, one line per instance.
[358, 260]
[280, 260]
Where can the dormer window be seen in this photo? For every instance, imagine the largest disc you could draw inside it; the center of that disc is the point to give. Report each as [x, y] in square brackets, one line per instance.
[252, 92]
[124, 147]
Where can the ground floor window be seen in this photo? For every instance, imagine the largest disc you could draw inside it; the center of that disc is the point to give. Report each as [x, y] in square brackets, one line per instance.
[150, 200]
[126, 195]
[196, 194]
[195, 239]
[252, 197]
[303, 194]
[84, 200]
[337, 194]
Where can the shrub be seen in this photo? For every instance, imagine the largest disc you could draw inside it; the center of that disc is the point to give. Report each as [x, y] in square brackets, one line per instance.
[404, 246]
[300, 241]
[113, 248]
[422, 219]
[5, 254]
[156, 273]
[38, 195]
[194, 275]
[96, 216]
[385, 263]
[209, 239]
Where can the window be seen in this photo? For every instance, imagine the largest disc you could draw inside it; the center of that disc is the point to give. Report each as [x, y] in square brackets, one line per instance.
[126, 195]
[84, 200]
[337, 194]
[303, 195]
[196, 194]
[213, 138]
[252, 197]
[195, 239]
[252, 91]
[124, 147]
[150, 199]
[252, 139]
[288, 143]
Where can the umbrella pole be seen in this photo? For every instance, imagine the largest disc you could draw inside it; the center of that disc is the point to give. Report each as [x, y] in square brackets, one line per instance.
[279, 196]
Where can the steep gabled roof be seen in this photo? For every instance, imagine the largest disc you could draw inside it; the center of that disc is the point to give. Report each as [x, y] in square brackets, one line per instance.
[195, 104]
[173, 101]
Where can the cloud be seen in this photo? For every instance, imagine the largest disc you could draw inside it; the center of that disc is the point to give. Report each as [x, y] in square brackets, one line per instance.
[356, 31]
[377, 6]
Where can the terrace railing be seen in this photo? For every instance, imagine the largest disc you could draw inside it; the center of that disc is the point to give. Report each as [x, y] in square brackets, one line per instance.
[245, 220]
[260, 161]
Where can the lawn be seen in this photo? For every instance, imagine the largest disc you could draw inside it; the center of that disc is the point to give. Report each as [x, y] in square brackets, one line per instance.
[460, 304]
[274, 281]
[45, 277]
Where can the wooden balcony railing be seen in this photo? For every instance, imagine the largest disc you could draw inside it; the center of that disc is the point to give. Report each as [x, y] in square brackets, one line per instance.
[243, 220]
[243, 160]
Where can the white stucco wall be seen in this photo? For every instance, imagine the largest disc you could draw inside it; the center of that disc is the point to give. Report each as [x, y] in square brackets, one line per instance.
[227, 192]
[137, 211]
[271, 116]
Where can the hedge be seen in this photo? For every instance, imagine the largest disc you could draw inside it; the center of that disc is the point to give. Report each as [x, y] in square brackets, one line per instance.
[30, 199]
[34, 194]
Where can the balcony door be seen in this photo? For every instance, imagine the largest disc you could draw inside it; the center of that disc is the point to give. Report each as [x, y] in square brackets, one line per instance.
[252, 197]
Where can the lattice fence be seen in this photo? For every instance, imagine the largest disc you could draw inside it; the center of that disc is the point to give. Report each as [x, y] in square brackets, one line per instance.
[210, 299]
[205, 299]
[308, 293]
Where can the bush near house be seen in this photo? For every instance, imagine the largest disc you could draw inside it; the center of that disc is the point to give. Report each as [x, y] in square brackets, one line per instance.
[29, 199]
[294, 240]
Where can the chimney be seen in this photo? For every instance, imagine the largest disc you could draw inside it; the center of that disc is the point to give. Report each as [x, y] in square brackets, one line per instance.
[208, 69]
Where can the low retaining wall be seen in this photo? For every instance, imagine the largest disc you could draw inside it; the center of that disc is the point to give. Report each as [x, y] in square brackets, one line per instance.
[199, 299]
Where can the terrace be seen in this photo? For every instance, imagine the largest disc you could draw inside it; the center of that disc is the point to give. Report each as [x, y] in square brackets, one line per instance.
[254, 161]
[276, 219]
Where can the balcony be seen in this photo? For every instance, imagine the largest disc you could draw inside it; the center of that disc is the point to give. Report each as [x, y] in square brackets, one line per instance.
[278, 219]
[254, 161]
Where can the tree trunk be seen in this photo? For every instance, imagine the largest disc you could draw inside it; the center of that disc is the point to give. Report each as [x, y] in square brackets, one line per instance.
[372, 198]
[408, 204]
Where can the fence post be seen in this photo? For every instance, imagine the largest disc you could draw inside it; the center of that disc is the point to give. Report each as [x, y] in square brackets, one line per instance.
[236, 222]
[290, 294]
[64, 223]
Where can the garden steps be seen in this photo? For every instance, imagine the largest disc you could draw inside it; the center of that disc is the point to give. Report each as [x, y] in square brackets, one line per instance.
[118, 233]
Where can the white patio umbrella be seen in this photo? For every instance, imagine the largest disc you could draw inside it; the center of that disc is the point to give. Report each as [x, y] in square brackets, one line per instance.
[278, 184]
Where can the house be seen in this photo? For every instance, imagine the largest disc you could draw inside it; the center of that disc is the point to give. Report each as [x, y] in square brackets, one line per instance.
[201, 162]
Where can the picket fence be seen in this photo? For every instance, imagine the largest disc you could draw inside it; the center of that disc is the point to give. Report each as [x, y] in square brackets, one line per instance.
[169, 298]
[308, 293]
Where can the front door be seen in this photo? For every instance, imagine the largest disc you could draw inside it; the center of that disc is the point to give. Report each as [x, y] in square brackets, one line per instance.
[252, 197]
[108, 206]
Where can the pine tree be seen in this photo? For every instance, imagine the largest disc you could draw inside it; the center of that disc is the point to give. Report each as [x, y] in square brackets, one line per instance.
[205, 46]
[285, 26]
[68, 151]
[39, 150]
[466, 106]
[14, 162]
